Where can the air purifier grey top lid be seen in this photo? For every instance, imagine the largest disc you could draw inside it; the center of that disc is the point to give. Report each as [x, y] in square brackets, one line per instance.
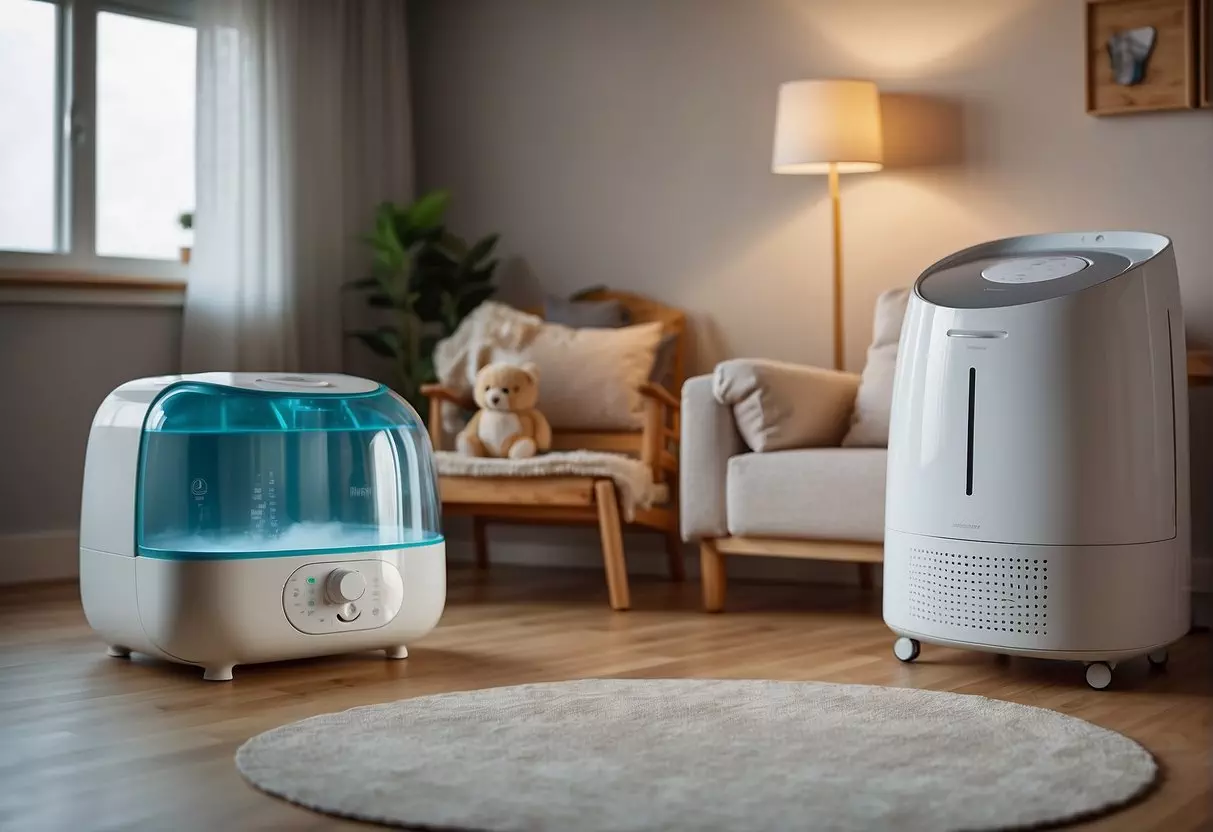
[1023, 270]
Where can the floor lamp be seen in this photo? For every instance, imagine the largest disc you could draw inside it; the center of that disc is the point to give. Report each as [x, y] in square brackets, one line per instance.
[830, 127]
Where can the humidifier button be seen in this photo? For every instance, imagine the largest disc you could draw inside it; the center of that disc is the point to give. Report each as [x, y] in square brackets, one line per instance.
[1017, 270]
[344, 585]
[348, 613]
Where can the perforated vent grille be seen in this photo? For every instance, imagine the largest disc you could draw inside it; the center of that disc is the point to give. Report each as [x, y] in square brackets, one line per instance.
[980, 592]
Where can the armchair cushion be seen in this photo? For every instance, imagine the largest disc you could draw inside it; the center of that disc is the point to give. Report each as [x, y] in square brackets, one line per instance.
[819, 494]
[874, 401]
[778, 406]
[589, 378]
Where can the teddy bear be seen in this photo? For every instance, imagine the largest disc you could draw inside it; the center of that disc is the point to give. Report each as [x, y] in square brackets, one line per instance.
[507, 423]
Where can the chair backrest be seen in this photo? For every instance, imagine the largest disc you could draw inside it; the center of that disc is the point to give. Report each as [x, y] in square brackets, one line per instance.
[642, 310]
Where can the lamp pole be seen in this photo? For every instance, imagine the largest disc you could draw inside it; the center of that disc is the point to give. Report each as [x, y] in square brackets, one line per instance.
[836, 207]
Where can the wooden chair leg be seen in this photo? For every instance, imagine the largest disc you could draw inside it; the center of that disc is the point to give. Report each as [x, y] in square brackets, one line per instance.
[611, 532]
[865, 577]
[711, 568]
[480, 542]
[675, 555]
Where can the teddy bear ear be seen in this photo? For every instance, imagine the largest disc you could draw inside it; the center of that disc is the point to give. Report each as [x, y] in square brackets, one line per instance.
[532, 369]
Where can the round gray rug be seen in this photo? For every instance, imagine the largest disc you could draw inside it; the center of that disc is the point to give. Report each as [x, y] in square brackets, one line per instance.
[675, 754]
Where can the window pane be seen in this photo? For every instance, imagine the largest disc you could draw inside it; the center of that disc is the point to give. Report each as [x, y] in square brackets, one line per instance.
[145, 135]
[27, 125]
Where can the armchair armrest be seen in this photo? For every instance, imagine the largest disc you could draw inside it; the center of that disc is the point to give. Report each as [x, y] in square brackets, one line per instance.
[709, 439]
[443, 393]
[651, 390]
[778, 406]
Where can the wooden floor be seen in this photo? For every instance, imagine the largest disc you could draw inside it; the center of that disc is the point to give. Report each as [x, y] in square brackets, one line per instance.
[91, 742]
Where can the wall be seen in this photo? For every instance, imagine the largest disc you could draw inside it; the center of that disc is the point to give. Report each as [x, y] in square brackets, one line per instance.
[628, 143]
[58, 362]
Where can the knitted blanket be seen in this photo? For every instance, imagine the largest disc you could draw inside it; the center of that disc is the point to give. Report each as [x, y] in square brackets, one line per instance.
[633, 479]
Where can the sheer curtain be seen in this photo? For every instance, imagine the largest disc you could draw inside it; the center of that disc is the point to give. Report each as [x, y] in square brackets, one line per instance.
[303, 126]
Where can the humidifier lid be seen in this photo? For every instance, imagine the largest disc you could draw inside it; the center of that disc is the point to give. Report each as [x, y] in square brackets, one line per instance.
[271, 403]
[1038, 267]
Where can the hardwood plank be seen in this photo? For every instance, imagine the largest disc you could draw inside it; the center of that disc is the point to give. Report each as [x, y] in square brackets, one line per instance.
[810, 549]
[90, 742]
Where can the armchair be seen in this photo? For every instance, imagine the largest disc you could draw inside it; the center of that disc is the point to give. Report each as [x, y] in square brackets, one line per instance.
[763, 472]
[583, 499]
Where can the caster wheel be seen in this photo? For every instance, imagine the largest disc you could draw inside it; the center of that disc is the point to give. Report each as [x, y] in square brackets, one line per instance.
[1158, 658]
[1099, 675]
[906, 649]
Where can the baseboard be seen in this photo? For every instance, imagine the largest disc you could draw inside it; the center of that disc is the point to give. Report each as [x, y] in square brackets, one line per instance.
[30, 557]
[579, 548]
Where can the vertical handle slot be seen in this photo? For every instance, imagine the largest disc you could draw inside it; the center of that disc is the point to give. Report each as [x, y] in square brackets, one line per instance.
[969, 450]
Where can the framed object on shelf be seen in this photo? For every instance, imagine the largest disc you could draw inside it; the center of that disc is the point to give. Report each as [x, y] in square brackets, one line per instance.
[1141, 55]
[1204, 20]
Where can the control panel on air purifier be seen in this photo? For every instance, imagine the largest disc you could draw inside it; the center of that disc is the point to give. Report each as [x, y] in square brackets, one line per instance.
[328, 597]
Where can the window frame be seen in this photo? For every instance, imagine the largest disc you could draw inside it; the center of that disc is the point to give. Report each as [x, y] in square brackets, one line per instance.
[76, 151]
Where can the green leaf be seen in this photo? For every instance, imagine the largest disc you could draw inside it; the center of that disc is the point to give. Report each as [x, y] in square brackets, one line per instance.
[452, 245]
[469, 300]
[482, 275]
[381, 342]
[481, 250]
[427, 211]
[388, 262]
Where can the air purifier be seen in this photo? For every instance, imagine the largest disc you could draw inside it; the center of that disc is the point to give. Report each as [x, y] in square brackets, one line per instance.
[1037, 498]
[239, 518]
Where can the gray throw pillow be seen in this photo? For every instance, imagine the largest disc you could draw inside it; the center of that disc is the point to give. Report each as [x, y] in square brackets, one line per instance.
[583, 314]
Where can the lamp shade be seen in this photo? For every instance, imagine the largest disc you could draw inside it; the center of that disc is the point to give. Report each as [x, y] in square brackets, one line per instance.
[824, 122]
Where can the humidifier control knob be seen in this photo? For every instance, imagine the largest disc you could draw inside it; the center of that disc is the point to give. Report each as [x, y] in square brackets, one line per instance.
[344, 586]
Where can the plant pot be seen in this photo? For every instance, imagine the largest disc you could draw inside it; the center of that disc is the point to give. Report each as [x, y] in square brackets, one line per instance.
[185, 254]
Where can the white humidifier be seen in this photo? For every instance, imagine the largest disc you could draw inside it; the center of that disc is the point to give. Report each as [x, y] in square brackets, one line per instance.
[239, 518]
[1038, 453]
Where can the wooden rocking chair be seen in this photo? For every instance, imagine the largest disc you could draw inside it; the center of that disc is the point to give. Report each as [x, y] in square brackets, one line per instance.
[567, 500]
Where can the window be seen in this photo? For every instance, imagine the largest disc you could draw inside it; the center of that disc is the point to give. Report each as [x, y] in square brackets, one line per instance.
[27, 128]
[96, 134]
[145, 134]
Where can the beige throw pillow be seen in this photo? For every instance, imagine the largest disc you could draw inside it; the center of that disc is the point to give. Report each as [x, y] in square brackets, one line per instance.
[588, 378]
[874, 402]
[777, 406]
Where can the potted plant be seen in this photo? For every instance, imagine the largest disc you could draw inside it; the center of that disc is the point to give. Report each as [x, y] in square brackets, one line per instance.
[427, 280]
[186, 220]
